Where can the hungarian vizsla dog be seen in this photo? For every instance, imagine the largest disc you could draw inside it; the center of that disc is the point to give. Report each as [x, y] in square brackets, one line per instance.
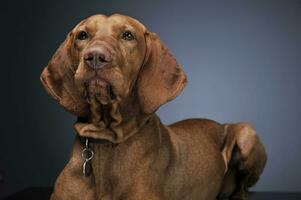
[113, 74]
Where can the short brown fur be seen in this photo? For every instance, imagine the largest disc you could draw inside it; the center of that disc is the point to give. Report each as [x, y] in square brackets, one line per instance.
[141, 158]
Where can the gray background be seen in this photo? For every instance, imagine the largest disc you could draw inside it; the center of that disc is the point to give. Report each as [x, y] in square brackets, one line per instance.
[242, 59]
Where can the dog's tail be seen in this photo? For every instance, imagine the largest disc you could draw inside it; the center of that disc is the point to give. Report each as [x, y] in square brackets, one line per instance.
[245, 159]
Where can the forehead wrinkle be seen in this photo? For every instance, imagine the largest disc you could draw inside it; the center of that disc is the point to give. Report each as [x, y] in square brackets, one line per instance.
[93, 26]
[116, 27]
[122, 21]
[119, 26]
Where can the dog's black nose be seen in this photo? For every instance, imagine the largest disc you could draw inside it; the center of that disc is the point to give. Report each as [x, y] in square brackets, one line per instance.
[95, 58]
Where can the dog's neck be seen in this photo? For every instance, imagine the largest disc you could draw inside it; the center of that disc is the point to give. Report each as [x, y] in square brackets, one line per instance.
[115, 121]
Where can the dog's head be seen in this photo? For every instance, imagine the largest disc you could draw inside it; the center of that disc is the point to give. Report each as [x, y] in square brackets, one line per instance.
[106, 59]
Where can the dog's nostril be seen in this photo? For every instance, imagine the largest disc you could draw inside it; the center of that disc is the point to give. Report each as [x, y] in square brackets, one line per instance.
[89, 57]
[101, 59]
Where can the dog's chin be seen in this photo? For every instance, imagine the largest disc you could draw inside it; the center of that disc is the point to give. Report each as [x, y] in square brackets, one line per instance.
[98, 90]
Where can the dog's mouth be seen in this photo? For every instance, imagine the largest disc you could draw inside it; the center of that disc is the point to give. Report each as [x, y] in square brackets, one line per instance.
[98, 90]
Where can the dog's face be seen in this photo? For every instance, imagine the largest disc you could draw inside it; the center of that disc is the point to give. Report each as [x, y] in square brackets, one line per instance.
[109, 53]
[105, 59]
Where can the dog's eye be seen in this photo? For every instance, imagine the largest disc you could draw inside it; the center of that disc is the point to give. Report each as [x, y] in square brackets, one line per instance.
[82, 35]
[127, 35]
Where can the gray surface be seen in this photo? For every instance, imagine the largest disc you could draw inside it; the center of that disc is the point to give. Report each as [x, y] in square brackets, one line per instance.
[242, 59]
[42, 193]
[275, 196]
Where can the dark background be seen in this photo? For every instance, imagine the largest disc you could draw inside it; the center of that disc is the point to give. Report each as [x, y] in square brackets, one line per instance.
[242, 59]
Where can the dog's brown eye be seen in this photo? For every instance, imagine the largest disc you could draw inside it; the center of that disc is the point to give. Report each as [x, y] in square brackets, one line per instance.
[127, 35]
[82, 35]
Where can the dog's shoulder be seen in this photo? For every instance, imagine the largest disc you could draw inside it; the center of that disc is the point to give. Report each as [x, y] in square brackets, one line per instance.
[195, 122]
[207, 127]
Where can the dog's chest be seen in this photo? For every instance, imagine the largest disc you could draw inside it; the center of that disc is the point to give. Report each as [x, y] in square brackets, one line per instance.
[115, 169]
[102, 166]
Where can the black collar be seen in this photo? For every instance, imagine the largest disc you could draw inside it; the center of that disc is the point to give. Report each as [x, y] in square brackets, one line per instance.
[93, 140]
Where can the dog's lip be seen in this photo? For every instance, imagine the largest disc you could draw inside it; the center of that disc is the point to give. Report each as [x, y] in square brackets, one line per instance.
[97, 79]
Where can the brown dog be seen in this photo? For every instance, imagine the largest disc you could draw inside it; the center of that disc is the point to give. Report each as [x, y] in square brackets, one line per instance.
[114, 74]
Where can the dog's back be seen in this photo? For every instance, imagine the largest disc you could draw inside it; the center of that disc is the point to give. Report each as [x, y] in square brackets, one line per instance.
[211, 129]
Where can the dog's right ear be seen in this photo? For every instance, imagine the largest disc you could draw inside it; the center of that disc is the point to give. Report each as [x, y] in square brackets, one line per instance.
[58, 80]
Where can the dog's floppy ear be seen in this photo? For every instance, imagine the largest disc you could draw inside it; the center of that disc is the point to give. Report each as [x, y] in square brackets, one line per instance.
[161, 79]
[58, 80]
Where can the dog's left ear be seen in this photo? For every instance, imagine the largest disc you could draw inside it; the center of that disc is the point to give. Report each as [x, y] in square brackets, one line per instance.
[161, 78]
[58, 80]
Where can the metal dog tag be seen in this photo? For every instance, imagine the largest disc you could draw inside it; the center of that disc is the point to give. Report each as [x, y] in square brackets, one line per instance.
[87, 155]
[87, 168]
